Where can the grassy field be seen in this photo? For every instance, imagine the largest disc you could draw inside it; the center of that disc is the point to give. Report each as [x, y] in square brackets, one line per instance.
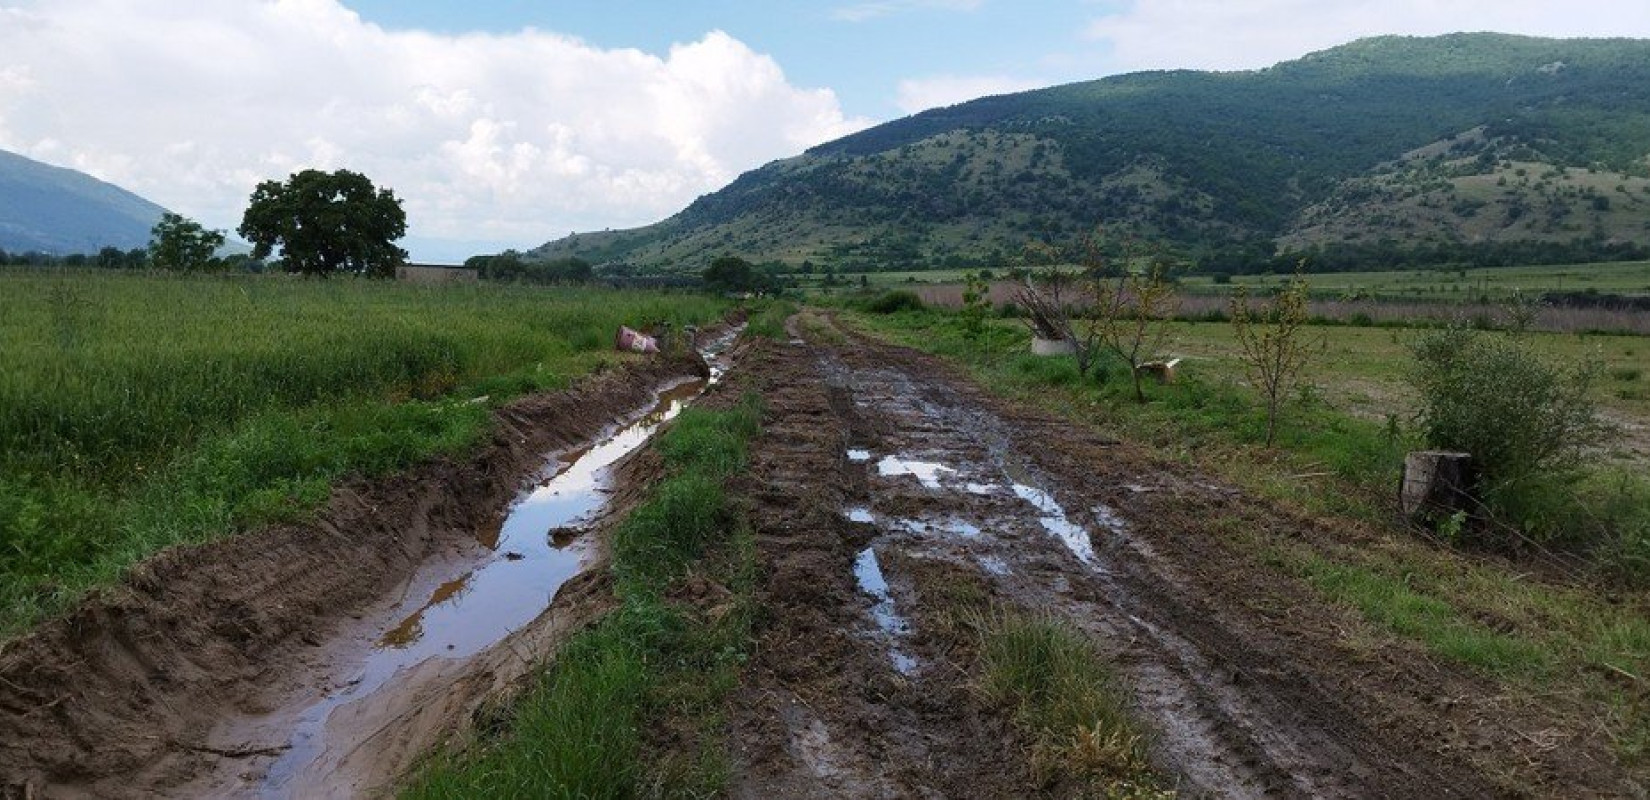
[1577, 635]
[137, 412]
[1363, 371]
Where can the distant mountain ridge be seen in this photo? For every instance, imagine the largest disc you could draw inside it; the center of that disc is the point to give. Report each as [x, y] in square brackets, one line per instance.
[60, 211]
[1449, 140]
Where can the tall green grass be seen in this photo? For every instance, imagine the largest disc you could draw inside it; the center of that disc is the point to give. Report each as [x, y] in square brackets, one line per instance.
[141, 411]
[581, 730]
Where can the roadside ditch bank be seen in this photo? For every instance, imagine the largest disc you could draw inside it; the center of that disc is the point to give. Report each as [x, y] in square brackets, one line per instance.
[126, 694]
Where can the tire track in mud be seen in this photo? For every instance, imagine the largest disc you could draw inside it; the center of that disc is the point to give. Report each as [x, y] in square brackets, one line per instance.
[873, 449]
[822, 712]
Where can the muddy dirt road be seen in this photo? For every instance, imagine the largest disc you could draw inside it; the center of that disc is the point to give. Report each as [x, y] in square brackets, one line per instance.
[246, 668]
[879, 469]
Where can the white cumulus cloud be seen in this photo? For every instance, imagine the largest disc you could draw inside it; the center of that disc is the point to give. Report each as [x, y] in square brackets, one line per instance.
[487, 138]
[921, 94]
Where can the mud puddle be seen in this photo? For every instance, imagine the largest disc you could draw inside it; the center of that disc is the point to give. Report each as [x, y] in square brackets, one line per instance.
[891, 625]
[526, 560]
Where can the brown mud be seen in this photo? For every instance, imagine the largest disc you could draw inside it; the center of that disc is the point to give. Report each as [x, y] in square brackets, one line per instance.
[878, 459]
[149, 689]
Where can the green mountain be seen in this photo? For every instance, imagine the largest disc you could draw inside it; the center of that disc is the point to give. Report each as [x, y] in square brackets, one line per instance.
[60, 211]
[1395, 141]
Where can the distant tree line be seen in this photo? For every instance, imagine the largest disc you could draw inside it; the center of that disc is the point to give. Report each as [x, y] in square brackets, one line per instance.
[106, 258]
[1260, 257]
[115, 258]
[510, 267]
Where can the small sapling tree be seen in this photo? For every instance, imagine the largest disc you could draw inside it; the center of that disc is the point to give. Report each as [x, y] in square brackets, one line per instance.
[1276, 347]
[1133, 303]
[976, 307]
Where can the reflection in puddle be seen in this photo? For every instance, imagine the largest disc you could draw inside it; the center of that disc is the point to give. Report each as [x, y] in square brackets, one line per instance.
[506, 593]
[956, 527]
[928, 472]
[1109, 519]
[993, 564]
[1054, 520]
[980, 488]
[859, 456]
[411, 629]
[860, 514]
[872, 582]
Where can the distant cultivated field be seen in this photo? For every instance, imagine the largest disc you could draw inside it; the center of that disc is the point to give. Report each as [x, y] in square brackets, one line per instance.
[1625, 278]
[137, 411]
[1455, 285]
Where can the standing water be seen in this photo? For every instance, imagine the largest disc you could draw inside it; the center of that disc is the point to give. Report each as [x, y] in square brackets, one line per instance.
[530, 559]
[871, 581]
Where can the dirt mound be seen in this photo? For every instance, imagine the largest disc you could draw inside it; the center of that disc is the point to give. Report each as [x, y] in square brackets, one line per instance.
[128, 685]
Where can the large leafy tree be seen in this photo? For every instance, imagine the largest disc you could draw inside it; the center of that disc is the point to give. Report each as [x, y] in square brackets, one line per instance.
[731, 274]
[326, 223]
[176, 243]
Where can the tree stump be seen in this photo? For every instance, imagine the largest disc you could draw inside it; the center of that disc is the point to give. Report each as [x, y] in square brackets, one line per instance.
[1437, 484]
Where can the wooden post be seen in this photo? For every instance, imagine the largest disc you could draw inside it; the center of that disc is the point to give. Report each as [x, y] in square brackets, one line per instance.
[1436, 484]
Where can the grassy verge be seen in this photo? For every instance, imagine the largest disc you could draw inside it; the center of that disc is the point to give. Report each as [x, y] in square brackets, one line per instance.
[767, 318]
[634, 704]
[1065, 700]
[139, 412]
[1538, 636]
[1060, 694]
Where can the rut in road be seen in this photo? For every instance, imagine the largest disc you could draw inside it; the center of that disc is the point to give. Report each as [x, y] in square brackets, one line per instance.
[875, 461]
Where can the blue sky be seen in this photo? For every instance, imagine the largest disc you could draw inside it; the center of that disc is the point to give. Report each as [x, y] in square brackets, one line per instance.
[507, 123]
[862, 51]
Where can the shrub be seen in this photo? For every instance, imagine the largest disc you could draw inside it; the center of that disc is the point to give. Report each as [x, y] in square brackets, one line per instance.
[1526, 421]
[894, 301]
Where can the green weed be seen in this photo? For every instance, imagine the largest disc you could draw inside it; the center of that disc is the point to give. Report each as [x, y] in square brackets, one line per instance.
[1064, 698]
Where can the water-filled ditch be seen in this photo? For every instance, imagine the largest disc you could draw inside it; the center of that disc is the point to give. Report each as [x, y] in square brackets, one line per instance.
[528, 559]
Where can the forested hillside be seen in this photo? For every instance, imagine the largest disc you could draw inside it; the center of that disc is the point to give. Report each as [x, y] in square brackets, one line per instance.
[1451, 147]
